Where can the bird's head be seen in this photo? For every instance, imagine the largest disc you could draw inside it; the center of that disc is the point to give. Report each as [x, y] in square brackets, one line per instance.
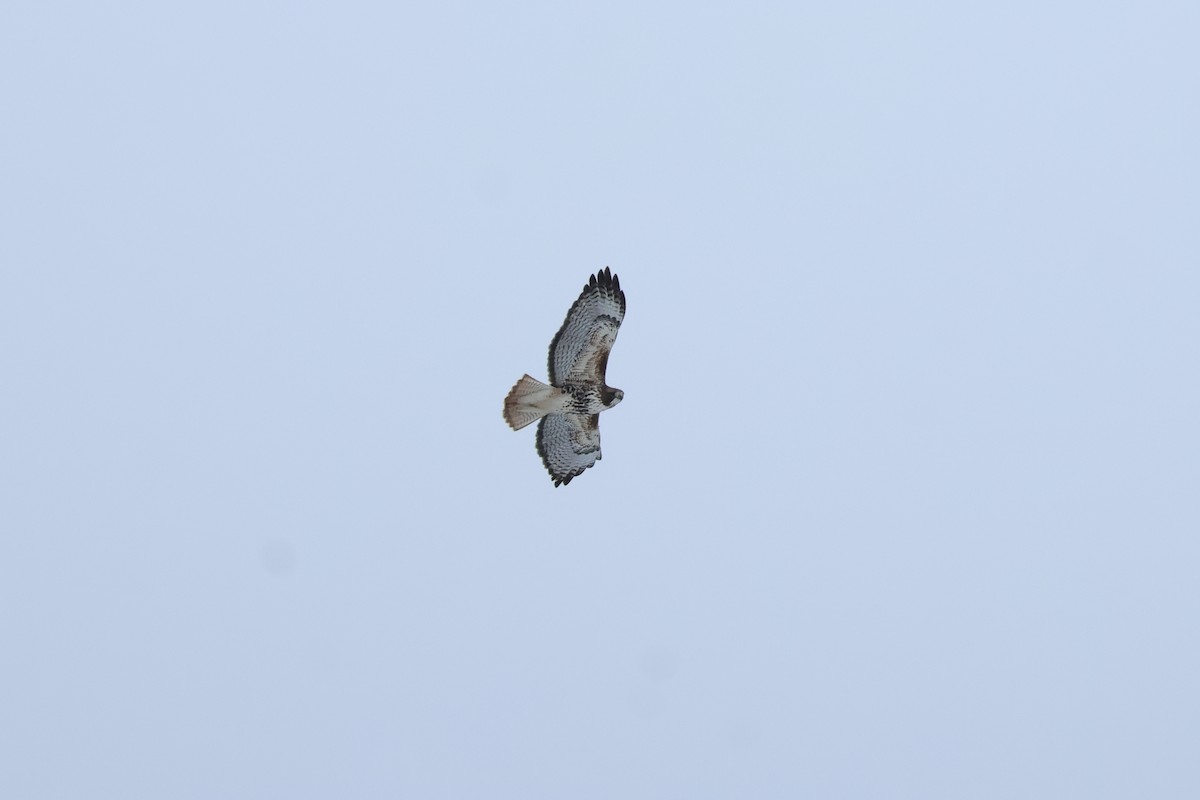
[612, 396]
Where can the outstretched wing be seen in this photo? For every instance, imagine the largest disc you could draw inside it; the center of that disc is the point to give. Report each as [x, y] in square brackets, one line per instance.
[579, 352]
[568, 444]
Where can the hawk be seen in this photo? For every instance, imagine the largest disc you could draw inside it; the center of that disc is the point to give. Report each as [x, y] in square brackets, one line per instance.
[568, 435]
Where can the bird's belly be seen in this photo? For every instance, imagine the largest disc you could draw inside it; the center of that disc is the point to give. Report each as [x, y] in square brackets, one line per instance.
[584, 400]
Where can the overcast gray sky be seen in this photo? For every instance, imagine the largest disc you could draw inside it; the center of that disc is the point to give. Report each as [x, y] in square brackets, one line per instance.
[901, 502]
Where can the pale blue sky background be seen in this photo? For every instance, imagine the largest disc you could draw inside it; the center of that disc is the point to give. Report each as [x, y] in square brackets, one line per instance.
[902, 500]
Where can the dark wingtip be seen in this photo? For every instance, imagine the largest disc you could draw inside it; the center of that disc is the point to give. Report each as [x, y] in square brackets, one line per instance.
[604, 279]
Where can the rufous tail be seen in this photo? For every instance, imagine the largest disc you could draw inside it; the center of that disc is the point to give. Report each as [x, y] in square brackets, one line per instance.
[530, 400]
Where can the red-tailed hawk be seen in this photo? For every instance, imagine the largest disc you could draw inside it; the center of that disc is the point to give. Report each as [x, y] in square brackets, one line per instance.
[568, 436]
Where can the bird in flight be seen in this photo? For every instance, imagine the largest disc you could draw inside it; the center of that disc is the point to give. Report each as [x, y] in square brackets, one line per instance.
[568, 434]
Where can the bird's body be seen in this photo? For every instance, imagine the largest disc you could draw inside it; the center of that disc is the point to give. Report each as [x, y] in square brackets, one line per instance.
[568, 437]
